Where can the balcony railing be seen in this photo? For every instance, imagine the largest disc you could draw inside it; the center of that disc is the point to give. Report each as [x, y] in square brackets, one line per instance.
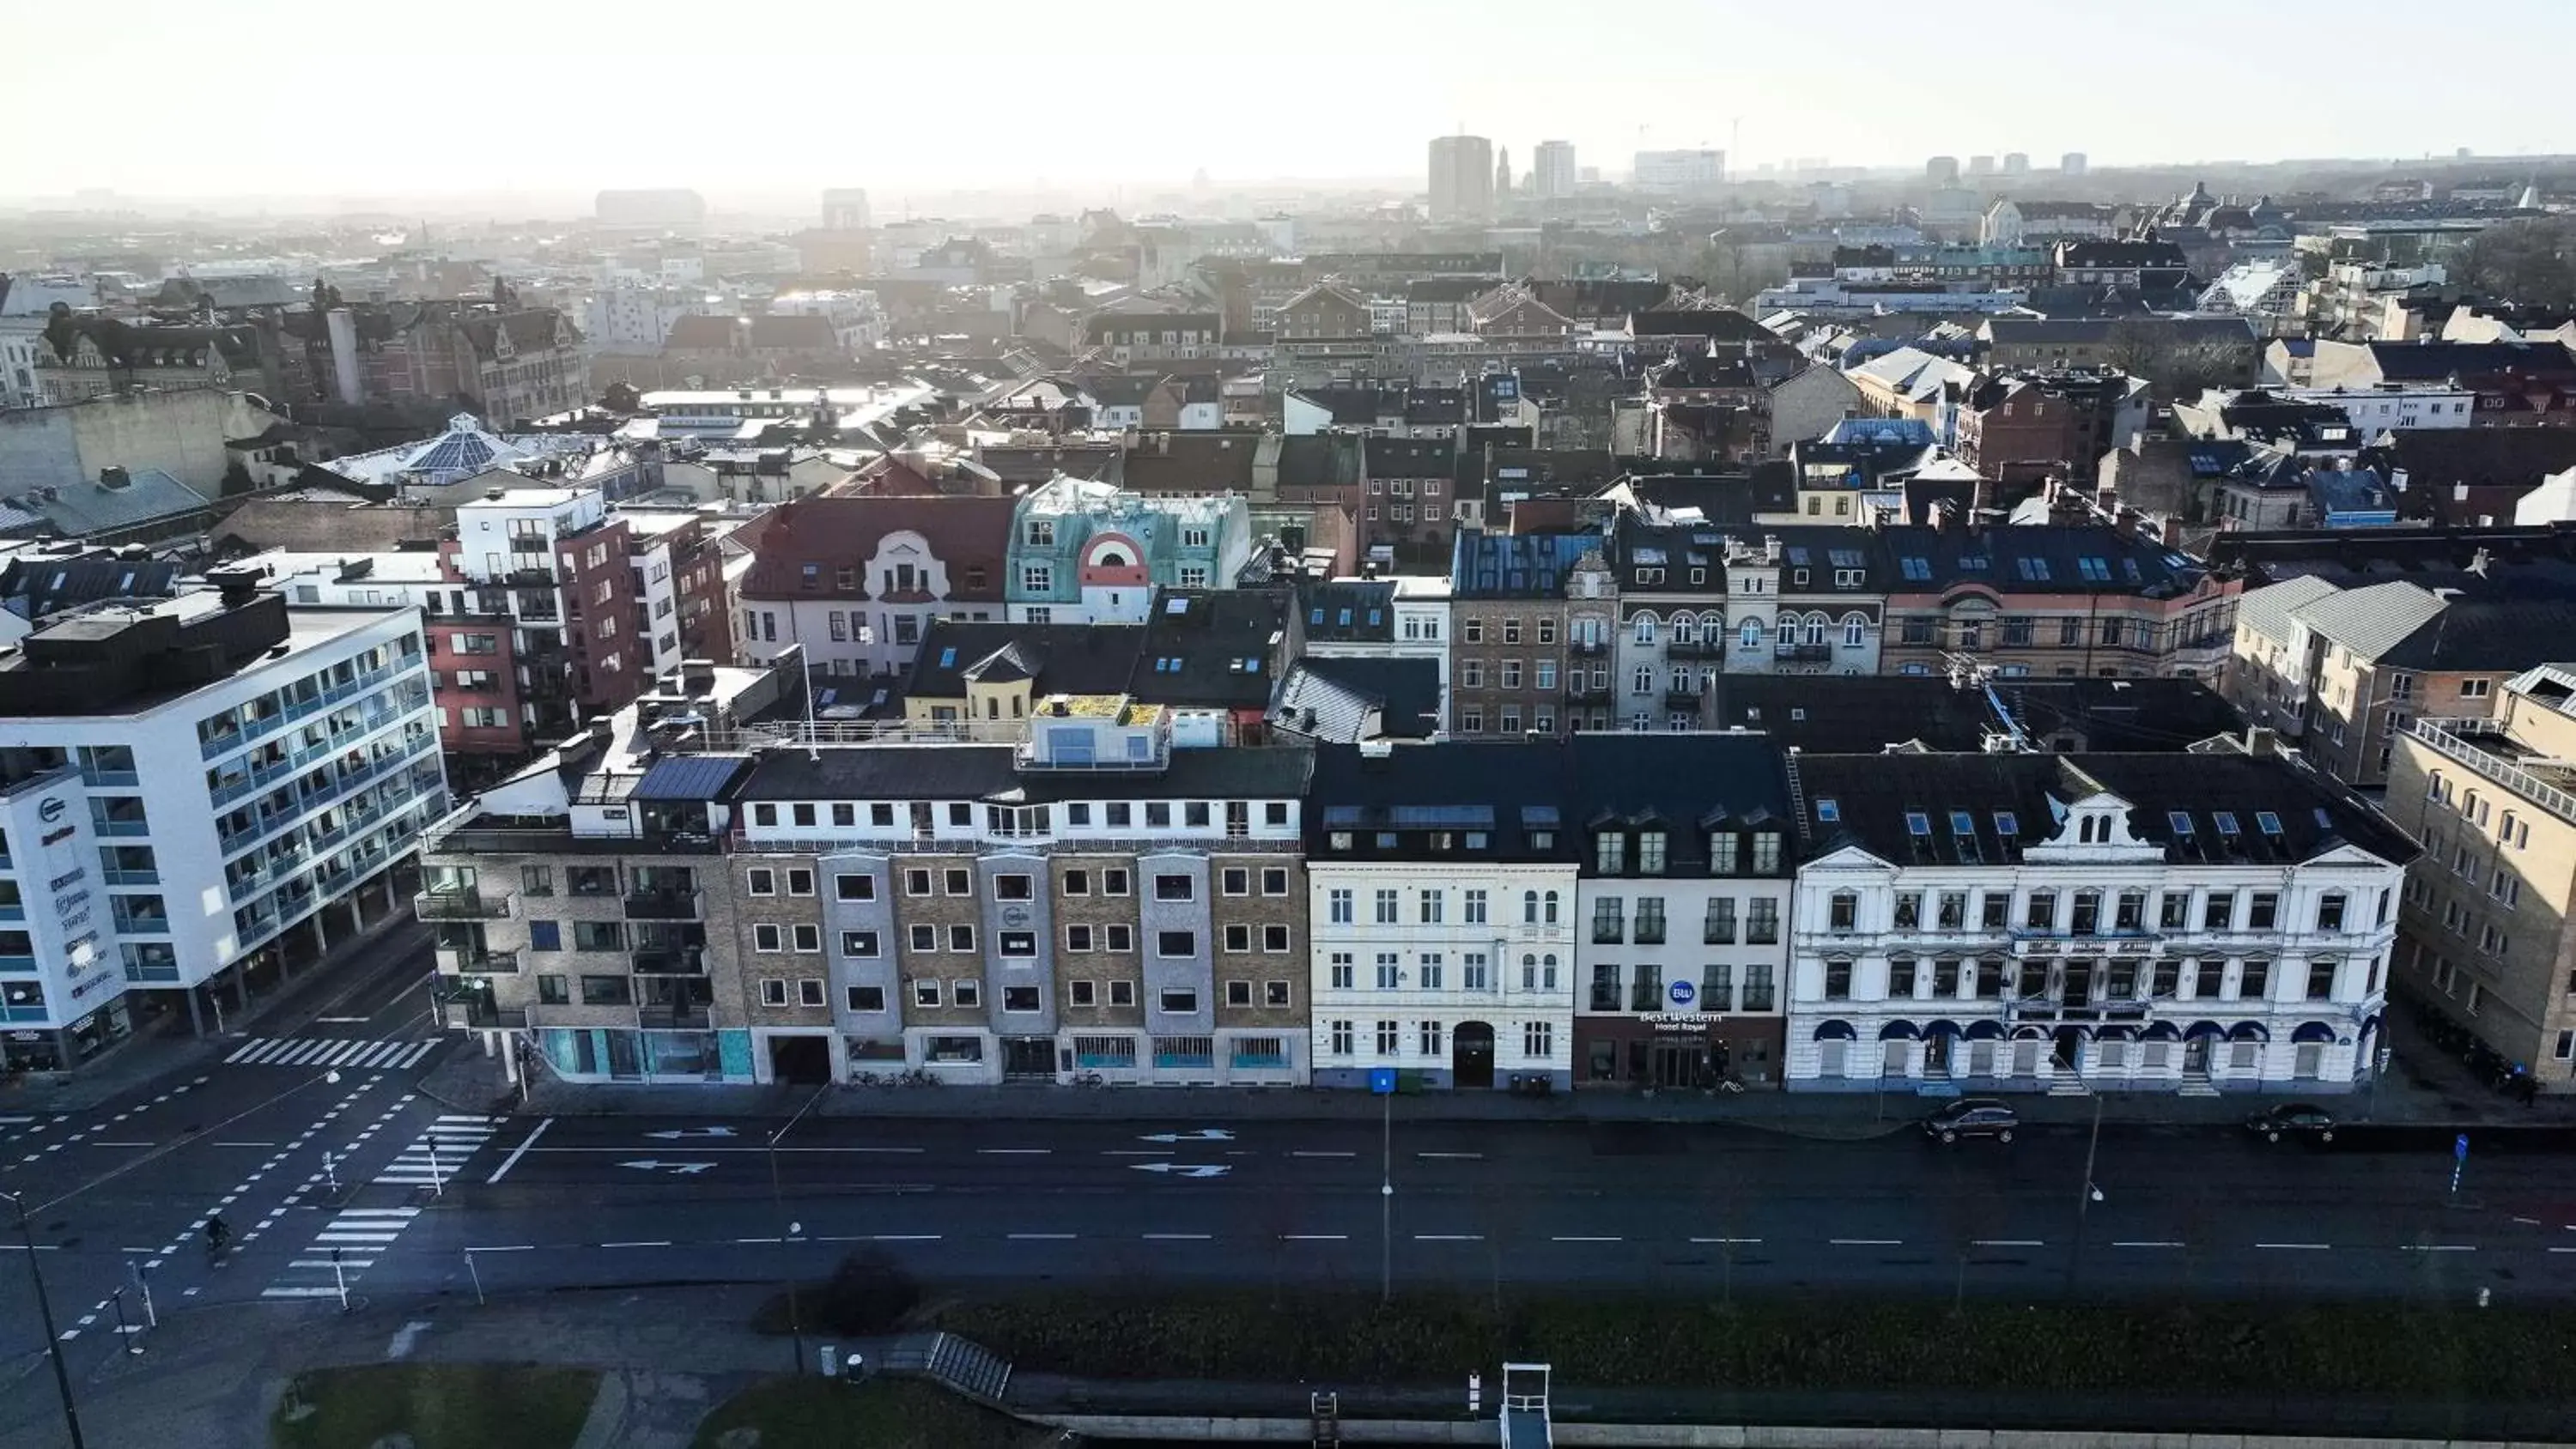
[1805, 653]
[2450, 738]
[1582, 687]
[676, 1016]
[1582, 648]
[1696, 648]
[675, 961]
[472, 1015]
[458, 962]
[453, 905]
[1682, 698]
[665, 905]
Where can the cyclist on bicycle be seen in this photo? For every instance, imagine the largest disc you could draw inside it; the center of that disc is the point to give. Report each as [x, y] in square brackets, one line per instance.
[218, 1233]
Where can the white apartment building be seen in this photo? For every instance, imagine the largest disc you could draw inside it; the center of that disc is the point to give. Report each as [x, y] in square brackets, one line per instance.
[185, 780]
[2191, 923]
[1441, 895]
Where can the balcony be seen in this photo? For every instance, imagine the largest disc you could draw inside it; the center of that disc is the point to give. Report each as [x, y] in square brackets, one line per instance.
[1585, 688]
[677, 1016]
[1805, 653]
[1650, 932]
[1582, 648]
[1708, 647]
[456, 961]
[1677, 698]
[470, 1014]
[454, 905]
[665, 905]
[671, 961]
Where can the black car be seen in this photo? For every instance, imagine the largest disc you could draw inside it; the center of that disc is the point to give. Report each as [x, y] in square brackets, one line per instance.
[2292, 1119]
[1972, 1117]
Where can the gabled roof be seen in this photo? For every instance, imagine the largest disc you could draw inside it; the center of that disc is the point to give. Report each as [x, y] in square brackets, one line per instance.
[1515, 565]
[1058, 658]
[1348, 611]
[969, 535]
[2227, 801]
[2268, 610]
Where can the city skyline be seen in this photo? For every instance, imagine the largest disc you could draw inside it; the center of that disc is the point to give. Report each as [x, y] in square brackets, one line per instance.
[1704, 80]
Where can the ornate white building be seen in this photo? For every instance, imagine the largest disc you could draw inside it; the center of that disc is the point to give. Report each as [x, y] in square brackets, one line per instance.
[2024, 922]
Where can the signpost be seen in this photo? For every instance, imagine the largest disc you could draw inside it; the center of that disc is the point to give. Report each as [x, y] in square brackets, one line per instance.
[1382, 1082]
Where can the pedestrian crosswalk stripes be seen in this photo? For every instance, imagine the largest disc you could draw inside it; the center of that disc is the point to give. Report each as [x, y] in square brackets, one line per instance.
[433, 1157]
[345, 1248]
[331, 1051]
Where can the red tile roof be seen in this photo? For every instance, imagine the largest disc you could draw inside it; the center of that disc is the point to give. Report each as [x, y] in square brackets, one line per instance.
[970, 536]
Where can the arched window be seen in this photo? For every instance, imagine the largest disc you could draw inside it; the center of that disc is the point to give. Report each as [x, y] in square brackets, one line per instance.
[1815, 628]
[1551, 914]
[1529, 908]
[1855, 631]
[1645, 627]
[1685, 629]
[1547, 972]
[1529, 972]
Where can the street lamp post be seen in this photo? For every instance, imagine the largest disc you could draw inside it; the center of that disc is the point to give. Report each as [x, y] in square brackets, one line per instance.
[790, 1231]
[2085, 1196]
[45, 1314]
[1386, 1199]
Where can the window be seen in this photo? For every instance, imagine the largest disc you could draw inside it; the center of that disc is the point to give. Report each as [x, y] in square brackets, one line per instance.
[858, 943]
[1122, 993]
[808, 938]
[607, 991]
[916, 882]
[2262, 910]
[2330, 909]
[1390, 1038]
[1760, 993]
[1238, 938]
[1385, 903]
[958, 881]
[553, 991]
[1176, 943]
[925, 992]
[1172, 888]
[2218, 911]
[961, 939]
[2321, 978]
[925, 938]
[1842, 912]
[1900, 979]
[1341, 1038]
[1338, 907]
[2256, 981]
[1117, 937]
[1838, 979]
[1113, 881]
[766, 938]
[2041, 915]
[966, 991]
[1538, 1040]
[761, 881]
[854, 887]
[1762, 922]
[1719, 928]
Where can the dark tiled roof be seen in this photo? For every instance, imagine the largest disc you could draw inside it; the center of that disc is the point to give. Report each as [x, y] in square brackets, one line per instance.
[793, 334]
[37, 587]
[2038, 558]
[1360, 611]
[1192, 462]
[1212, 649]
[969, 535]
[1322, 460]
[1411, 457]
[2436, 361]
[1061, 658]
[2505, 457]
[1873, 795]
[1720, 324]
[1334, 701]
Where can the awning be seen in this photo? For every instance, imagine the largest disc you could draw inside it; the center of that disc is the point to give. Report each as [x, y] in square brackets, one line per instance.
[1834, 1031]
[2116, 1033]
[1940, 1028]
[1898, 1031]
[1984, 1031]
[2313, 1031]
[2248, 1031]
[2030, 1033]
[2160, 1031]
[2199, 1029]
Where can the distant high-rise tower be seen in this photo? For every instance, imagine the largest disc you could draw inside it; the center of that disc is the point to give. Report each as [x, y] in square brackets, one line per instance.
[1555, 169]
[2016, 163]
[2072, 163]
[1462, 178]
[1981, 165]
[1502, 172]
[845, 208]
[1944, 169]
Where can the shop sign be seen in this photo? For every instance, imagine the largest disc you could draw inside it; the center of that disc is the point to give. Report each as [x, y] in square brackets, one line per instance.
[1683, 1020]
[26, 1036]
[1683, 994]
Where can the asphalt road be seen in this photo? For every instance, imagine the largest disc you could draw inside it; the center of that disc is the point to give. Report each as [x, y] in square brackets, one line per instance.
[419, 1199]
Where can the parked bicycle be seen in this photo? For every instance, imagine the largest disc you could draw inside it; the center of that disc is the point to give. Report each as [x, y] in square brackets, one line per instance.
[1090, 1079]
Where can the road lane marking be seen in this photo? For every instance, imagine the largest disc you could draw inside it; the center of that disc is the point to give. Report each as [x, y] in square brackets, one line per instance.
[2533, 1222]
[1466, 1156]
[1316, 1237]
[1323, 1154]
[1178, 1237]
[2147, 1244]
[513, 1159]
[651, 1243]
[1867, 1242]
[120, 1144]
[506, 1248]
[246, 1144]
[759, 1240]
[1138, 1152]
[891, 1238]
[1040, 1237]
[2297, 1247]
[1013, 1151]
[2005, 1243]
[1726, 1240]
[1448, 1237]
[1582, 1240]
[2436, 1248]
[2563, 1250]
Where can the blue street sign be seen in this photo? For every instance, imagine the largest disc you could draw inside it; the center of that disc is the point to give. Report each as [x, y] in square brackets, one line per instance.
[1382, 1082]
[2460, 1147]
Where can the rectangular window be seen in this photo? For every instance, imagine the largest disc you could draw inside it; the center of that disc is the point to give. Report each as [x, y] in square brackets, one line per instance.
[1116, 937]
[1538, 1040]
[808, 938]
[607, 991]
[966, 991]
[766, 938]
[925, 991]
[858, 943]
[1176, 943]
[961, 939]
[854, 887]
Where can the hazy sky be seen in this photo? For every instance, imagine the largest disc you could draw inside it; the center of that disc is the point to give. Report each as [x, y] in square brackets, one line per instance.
[191, 98]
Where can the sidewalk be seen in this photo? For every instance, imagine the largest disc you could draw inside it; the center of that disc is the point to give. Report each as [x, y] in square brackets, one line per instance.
[168, 1047]
[471, 1082]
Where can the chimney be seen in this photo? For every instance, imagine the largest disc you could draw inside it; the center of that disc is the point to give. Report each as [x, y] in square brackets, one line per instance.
[2260, 740]
[698, 678]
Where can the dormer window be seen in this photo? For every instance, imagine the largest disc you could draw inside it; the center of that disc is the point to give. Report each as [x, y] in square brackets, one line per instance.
[1610, 852]
[1650, 852]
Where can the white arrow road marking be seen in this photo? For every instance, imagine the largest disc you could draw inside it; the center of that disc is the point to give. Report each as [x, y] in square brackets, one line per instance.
[1204, 1134]
[651, 1164]
[676, 1133]
[1185, 1169]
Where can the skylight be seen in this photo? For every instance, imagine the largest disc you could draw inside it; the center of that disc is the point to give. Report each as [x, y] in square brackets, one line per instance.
[1917, 823]
[1828, 810]
[1962, 823]
[2007, 824]
[1917, 569]
[2180, 820]
[948, 658]
[2267, 822]
[2226, 821]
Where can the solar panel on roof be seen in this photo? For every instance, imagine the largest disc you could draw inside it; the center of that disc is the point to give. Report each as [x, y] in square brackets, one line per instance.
[1538, 815]
[1442, 817]
[690, 777]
